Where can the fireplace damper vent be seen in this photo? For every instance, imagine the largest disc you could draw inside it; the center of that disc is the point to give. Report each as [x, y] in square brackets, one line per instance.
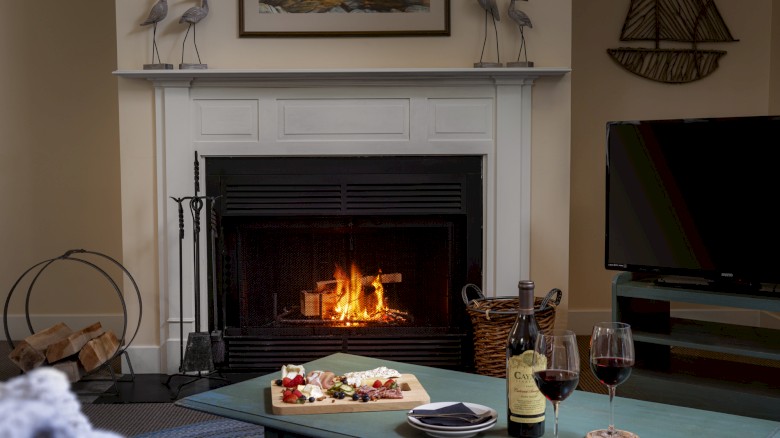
[346, 198]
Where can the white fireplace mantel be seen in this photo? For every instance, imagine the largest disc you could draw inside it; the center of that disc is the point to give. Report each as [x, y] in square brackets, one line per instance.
[340, 112]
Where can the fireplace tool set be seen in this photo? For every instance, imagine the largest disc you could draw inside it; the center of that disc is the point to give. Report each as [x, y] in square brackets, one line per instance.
[202, 347]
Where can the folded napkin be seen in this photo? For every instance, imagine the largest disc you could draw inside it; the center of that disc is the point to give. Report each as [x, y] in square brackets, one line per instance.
[457, 408]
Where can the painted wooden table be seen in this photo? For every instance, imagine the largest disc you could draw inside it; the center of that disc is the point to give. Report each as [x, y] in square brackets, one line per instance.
[250, 401]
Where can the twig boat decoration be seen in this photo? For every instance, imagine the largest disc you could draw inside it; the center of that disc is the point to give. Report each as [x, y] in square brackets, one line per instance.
[681, 21]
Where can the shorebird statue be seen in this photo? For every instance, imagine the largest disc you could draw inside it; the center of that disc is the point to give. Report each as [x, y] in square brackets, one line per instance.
[522, 20]
[491, 9]
[193, 16]
[157, 14]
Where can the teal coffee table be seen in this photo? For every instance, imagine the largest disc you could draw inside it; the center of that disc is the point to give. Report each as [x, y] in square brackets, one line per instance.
[250, 401]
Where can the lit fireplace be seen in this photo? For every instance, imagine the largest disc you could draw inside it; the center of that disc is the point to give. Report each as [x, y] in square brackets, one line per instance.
[365, 255]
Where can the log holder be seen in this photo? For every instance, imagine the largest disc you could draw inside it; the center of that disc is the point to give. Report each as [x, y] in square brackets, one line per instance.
[78, 255]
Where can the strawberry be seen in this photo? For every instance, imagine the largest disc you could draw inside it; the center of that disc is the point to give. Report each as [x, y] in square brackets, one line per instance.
[286, 393]
[298, 380]
[297, 393]
[377, 384]
[390, 384]
[287, 382]
[291, 398]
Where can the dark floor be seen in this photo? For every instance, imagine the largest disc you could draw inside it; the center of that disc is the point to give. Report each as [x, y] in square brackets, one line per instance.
[161, 388]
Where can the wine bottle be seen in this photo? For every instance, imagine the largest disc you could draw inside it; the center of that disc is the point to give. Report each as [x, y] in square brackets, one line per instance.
[525, 404]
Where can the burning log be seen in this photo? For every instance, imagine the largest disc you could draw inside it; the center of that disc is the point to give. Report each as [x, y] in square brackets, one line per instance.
[367, 280]
[314, 303]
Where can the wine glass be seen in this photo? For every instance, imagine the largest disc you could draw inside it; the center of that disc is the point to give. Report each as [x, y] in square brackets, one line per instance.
[611, 359]
[556, 367]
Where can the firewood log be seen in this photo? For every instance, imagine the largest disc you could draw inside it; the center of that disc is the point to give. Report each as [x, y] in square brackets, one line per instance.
[97, 351]
[73, 343]
[42, 339]
[26, 357]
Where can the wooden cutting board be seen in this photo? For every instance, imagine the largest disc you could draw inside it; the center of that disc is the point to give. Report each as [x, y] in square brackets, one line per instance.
[413, 391]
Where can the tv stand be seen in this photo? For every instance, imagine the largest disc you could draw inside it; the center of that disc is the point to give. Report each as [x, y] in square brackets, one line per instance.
[715, 380]
[698, 283]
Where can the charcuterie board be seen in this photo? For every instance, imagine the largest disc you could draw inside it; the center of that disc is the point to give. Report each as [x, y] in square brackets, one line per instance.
[413, 391]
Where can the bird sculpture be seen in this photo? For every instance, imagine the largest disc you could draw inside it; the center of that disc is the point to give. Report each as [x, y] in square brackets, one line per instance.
[157, 14]
[193, 16]
[491, 9]
[522, 20]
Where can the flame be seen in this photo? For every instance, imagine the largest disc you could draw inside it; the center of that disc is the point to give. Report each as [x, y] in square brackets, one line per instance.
[353, 303]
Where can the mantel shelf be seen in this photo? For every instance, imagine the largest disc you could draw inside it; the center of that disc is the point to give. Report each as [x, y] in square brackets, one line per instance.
[366, 76]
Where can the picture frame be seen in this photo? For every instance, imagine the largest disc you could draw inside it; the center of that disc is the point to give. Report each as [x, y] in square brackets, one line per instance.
[254, 24]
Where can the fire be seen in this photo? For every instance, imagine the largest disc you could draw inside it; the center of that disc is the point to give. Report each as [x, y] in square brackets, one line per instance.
[354, 302]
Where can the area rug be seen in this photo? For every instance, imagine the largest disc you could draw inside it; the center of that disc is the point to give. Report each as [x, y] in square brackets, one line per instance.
[225, 428]
[165, 420]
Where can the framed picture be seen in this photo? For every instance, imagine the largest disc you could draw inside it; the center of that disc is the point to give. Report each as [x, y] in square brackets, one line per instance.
[335, 18]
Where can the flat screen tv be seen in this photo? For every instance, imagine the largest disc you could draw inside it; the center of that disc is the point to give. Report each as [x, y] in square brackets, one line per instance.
[695, 198]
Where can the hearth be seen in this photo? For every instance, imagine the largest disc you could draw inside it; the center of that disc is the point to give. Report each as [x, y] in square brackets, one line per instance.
[365, 255]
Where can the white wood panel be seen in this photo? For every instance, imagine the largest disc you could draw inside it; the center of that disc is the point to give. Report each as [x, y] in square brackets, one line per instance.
[225, 120]
[343, 119]
[463, 119]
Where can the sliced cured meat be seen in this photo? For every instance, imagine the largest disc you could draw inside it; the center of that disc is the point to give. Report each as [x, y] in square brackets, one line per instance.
[326, 379]
[314, 378]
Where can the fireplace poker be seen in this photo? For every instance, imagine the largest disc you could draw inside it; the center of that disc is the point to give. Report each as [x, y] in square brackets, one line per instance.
[217, 342]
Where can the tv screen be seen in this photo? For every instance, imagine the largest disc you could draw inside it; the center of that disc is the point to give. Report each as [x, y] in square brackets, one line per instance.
[695, 197]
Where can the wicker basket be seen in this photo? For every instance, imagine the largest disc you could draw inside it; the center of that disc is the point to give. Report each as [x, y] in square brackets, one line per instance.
[492, 318]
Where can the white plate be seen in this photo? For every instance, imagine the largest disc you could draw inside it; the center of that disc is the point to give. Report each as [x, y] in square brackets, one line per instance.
[474, 429]
[454, 433]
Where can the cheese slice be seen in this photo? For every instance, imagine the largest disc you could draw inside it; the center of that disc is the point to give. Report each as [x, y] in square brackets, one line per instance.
[358, 378]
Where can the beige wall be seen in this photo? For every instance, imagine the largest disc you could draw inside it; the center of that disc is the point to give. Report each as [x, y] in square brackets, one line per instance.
[549, 45]
[603, 91]
[59, 154]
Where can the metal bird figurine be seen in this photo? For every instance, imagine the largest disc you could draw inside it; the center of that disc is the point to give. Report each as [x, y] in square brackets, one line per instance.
[491, 9]
[522, 20]
[157, 14]
[193, 16]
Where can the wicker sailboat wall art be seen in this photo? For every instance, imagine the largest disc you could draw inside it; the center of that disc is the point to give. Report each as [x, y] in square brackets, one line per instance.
[681, 21]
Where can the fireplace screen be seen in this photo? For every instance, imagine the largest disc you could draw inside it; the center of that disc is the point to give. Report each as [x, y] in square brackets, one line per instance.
[343, 272]
[334, 253]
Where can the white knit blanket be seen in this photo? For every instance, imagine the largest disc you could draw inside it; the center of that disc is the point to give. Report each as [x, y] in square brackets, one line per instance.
[40, 404]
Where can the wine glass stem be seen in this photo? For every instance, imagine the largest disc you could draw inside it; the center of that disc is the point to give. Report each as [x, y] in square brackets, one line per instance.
[611, 411]
[555, 411]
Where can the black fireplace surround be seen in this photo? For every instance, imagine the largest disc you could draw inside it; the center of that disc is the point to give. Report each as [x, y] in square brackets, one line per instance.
[282, 224]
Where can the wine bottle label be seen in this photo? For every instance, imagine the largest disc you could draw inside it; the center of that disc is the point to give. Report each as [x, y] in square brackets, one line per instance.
[526, 402]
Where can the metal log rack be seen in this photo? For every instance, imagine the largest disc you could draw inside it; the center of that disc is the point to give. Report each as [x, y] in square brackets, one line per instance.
[77, 255]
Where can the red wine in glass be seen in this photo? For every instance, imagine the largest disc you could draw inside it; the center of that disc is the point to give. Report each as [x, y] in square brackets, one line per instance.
[556, 367]
[611, 360]
[556, 385]
[611, 371]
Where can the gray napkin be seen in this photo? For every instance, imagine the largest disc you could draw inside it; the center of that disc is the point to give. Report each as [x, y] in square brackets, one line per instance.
[457, 408]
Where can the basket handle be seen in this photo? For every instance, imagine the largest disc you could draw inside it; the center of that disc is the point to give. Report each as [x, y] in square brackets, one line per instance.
[546, 300]
[465, 292]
